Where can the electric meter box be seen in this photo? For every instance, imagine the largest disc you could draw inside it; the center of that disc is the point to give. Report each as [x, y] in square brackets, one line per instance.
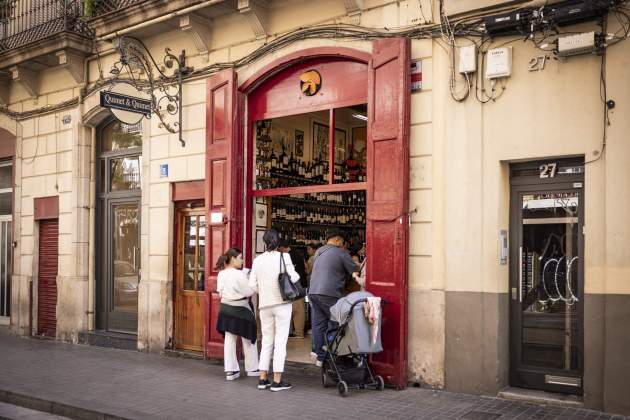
[499, 63]
[468, 59]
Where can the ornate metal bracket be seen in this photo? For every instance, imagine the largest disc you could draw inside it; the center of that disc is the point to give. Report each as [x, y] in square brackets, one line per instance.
[163, 80]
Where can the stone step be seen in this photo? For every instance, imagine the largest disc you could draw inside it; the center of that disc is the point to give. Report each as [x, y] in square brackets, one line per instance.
[109, 339]
[541, 397]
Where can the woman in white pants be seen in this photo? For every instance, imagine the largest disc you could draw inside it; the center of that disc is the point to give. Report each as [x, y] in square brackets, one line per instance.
[275, 313]
[236, 316]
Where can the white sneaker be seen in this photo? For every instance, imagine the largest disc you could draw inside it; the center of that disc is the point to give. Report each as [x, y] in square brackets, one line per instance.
[313, 355]
[319, 363]
[254, 373]
[230, 376]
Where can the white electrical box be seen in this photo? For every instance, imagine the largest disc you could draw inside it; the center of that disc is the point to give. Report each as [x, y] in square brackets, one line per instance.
[499, 63]
[468, 59]
[576, 44]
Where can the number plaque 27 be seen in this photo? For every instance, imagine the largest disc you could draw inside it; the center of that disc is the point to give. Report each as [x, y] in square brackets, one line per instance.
[548, 170]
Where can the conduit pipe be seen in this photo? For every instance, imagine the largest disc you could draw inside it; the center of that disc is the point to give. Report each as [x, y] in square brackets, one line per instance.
[163, 18]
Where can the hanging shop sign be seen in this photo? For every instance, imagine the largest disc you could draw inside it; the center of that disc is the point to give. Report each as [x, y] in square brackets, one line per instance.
[127, 103]
[310, 82]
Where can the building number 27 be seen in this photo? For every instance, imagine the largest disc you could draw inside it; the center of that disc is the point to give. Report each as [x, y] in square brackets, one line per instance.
[548, 170]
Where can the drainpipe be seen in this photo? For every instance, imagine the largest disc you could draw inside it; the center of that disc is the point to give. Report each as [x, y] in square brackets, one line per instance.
[159, 19]
[91, 235]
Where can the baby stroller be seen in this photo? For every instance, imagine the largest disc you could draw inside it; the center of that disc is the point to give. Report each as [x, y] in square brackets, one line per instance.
[349, 342]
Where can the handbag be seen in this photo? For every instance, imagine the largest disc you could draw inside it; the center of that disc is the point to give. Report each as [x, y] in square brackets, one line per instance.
[288, 290]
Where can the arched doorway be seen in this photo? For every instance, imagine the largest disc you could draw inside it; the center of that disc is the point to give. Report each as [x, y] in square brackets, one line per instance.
[377, 86]
[119, 149]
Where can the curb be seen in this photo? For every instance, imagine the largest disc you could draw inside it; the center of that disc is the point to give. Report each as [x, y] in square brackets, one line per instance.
[54, 407]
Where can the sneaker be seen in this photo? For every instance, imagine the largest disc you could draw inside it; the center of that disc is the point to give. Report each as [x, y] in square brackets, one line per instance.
[319, 363]
[230, 376]
[313, 355]
[275, 387]
[264, 384]
[254, 373]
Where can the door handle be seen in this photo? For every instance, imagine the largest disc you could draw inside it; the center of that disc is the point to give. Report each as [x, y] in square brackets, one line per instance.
[520, 274]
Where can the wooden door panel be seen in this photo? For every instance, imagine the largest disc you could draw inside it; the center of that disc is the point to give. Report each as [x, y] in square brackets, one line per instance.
[189, 304]
[224, 190]
[387, 199]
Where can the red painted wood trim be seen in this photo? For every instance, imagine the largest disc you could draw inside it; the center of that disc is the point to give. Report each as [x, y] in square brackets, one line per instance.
[7, 144]
[46, 208]
[286, 61]
[190, 190]
[311, 189]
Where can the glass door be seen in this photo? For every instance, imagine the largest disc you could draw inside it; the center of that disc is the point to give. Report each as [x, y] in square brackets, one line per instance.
[118, 215]
[547, 288]
[125, 265]
[6, 239]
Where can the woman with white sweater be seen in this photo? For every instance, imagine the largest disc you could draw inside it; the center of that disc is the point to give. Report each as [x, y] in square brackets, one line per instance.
[275, 313]
[236, 317]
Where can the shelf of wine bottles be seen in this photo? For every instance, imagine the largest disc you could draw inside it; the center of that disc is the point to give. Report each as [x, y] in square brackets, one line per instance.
[287, 171]
[306, 218]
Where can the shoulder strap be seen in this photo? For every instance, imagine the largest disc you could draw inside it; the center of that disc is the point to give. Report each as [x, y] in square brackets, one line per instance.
[282, 264]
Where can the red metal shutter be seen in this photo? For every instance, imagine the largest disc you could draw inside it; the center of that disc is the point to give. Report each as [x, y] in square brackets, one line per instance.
[387, 199]
[224, 189]
[47, 277]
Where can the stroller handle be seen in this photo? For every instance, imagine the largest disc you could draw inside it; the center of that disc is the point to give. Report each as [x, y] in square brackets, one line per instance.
[383, 303]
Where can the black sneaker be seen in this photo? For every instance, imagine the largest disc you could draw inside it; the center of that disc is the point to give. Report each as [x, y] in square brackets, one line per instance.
[264, 384]
[280, 386]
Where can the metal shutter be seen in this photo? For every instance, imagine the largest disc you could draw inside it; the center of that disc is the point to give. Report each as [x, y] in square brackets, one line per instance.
[47, 278]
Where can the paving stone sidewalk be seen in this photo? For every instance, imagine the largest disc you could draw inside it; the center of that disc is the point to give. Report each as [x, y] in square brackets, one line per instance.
[92, 382]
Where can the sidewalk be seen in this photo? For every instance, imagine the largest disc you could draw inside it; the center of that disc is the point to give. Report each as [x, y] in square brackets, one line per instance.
[91, 382]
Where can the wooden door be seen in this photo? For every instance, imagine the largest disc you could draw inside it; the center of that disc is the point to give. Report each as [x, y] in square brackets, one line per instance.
[47, 277]
[224, 190]
[190, 279]
[387, 199]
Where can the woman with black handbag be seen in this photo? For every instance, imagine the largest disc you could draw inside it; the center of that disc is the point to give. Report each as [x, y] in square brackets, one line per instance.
[275, 310]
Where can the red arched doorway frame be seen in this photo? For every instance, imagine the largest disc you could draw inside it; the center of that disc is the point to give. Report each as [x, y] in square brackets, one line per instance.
[385, 87]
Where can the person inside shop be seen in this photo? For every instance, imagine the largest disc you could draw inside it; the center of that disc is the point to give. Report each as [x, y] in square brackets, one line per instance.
[298, 318]
[310, 252]
[275, 313]
[332, 268]
[236, 316]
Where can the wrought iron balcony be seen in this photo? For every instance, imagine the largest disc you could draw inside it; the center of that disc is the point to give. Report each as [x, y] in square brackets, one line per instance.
[23, 22]
[94, 8]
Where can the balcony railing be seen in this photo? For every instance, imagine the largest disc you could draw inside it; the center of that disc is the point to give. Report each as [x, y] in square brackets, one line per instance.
[23, 22]
[96, 8]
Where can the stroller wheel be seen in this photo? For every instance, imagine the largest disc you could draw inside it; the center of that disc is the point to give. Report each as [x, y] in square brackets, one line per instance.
[342, 387]
[326, 379]
[380, 383]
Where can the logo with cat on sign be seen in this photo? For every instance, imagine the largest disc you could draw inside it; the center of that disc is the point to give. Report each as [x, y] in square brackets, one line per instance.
[310, 82]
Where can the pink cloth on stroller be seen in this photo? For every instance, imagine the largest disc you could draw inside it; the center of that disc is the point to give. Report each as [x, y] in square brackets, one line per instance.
[372, 311]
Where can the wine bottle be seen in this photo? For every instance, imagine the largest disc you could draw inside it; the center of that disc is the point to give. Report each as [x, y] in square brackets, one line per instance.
[274, 161]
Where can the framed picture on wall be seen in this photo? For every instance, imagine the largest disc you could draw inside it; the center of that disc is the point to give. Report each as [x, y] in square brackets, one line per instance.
[359, 143]
[299, 143]
[280, 139]
[320, 141]
[260, 244]
[261, 215]
[340, 145]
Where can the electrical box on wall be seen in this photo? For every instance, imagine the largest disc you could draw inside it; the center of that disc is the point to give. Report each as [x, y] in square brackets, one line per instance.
[576, 44]
[499, 63]
[468, 59]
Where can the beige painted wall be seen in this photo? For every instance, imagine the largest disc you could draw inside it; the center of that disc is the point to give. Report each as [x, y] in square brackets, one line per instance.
[459, 181]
